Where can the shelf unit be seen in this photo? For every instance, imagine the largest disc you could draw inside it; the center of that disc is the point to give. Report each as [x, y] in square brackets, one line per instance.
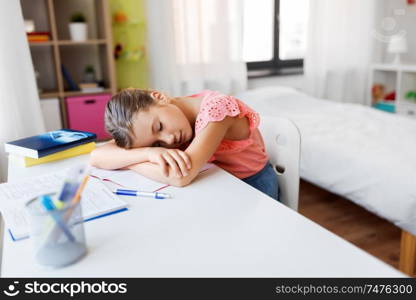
[53, 16]
[398, 78]
[129, 37]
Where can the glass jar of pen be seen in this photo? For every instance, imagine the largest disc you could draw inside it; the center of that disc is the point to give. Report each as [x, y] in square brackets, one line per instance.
[56, 231]
[56, 222]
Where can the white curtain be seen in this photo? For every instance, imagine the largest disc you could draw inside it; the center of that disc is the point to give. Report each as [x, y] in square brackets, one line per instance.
[20, 113]
[339, 49]
[196, 45]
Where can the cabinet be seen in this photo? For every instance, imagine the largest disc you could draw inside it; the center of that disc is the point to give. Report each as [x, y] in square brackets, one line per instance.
[59, 52]
[400, 79]
[86, 113]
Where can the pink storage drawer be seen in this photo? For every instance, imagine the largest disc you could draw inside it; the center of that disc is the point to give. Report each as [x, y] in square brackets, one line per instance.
[86, 113]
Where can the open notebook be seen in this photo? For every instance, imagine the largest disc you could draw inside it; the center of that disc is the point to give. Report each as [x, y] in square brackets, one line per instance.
[132, 180]
[126, 179]
[97, 201]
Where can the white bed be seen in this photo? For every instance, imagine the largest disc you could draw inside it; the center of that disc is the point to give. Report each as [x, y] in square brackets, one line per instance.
[363, 154]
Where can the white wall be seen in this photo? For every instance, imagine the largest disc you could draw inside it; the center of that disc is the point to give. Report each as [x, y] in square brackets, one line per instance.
[397, 16]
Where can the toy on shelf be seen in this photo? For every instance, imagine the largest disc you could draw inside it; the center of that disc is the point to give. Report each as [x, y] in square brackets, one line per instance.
[381, 100]
[134, 54]
[411, 96]
[118, 50]
[377, 93]
[120, 17]
[390, 96]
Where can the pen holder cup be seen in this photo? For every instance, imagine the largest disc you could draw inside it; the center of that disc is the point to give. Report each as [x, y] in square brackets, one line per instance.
[58, 236]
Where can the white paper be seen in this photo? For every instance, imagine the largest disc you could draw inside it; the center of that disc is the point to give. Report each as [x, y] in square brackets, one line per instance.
[30, 188]
[96, 200]
[132, 180]
[128, 179]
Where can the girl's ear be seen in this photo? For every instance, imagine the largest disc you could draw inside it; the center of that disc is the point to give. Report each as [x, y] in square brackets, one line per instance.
[159, 97]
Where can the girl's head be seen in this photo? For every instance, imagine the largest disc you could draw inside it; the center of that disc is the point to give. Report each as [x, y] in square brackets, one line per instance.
[138, 118]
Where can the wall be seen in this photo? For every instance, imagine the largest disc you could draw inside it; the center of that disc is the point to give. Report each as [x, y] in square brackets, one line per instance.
[397, 16]
[129, 33]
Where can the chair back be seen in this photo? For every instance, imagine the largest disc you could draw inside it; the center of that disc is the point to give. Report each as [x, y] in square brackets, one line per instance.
[282, 139]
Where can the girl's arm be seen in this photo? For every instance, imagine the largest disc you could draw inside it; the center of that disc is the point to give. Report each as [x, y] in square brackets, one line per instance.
[111, 157]
[199, 151]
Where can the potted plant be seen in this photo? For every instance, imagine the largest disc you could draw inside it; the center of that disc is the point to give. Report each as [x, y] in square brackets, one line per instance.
[78, 27]
[89, 74]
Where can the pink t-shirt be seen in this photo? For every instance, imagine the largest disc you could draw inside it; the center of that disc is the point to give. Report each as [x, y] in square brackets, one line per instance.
[242, 158]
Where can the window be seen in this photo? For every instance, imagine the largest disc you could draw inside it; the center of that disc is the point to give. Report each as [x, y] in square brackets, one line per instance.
[275, 34]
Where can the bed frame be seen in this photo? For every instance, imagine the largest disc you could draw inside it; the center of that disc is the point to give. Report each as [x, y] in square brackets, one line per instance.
[407, 262]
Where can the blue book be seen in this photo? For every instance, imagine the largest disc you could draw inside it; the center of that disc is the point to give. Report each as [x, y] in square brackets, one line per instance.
[48, 143]
[71, 84]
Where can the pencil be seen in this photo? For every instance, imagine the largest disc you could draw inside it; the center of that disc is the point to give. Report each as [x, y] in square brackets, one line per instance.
[81, 187]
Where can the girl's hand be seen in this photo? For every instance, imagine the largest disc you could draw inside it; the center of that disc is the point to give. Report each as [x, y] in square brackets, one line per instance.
[178, 161]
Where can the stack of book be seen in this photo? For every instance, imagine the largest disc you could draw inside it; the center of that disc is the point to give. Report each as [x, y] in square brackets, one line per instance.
[90, 87]
[39, 36]
[50, 146]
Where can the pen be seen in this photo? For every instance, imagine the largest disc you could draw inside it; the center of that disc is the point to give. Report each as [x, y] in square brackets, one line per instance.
[54, 234]
[155, 195]
[47, 203]
[71, 183]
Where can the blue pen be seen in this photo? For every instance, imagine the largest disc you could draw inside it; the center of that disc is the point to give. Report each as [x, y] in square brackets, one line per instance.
[71, 183]
[155, 195]
[47, 203]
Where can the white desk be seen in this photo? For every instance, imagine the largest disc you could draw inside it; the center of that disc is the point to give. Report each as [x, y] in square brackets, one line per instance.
[216, 227]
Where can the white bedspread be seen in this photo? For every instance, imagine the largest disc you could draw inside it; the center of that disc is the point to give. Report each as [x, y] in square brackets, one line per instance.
[363, 154]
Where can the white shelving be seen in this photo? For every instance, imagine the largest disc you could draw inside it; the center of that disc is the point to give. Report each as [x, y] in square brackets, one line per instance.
[399, 78]
[391, 67]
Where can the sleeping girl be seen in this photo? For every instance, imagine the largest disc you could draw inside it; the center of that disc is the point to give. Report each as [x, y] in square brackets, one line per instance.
[170, 139]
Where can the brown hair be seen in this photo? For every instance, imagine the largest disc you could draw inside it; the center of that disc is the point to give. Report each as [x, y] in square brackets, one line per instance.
[119, 114]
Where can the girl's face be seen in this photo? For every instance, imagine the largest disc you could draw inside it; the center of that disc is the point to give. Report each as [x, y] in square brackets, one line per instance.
[162, 125]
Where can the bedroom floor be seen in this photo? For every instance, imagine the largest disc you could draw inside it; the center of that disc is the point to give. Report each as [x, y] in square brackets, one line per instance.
[351, 222]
